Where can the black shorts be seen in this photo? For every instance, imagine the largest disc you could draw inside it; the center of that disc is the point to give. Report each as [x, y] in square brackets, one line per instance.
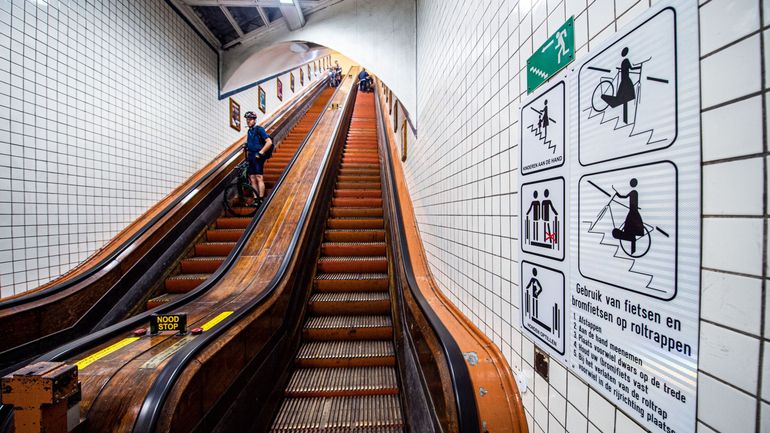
[256, 166]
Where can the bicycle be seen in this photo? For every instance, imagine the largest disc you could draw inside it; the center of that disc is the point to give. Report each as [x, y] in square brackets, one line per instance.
[240, 198]
[608, 85]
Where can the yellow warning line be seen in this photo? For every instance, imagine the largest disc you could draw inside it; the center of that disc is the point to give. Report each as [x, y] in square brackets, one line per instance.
[85, 362]
[220, 317]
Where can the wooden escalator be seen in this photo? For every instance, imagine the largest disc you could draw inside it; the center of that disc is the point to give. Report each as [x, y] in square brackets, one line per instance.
[345, 377]
[205, 257]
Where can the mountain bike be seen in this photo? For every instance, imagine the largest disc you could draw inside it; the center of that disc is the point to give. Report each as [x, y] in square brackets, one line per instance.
[240, 198]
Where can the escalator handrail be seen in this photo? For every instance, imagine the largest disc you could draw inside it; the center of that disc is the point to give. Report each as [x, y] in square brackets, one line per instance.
[34, 296]
[462, 386]
[84, 343]
[150, 412]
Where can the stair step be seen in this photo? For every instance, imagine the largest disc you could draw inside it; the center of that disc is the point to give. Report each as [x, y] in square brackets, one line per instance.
[350, 282]
[348, 327]
[357, 202]
[200, 265]
[224, 235]
[349, 306]
[354, 235]
[162, 299]
[346, 353]
[358, 193]
[355, 223]
[353, 264]
[232, 223]
[367, 186]
[356, 414]
[338, 382]
[183, 283]
[356, 212]
[214, 248]
[358, 178]
[353, 248]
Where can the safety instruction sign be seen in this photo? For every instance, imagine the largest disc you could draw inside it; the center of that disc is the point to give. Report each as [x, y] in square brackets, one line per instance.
[555, 53]
[626, 190]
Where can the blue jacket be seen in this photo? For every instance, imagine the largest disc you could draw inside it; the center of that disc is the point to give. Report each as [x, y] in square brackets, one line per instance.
[256, 138]
[362, 75]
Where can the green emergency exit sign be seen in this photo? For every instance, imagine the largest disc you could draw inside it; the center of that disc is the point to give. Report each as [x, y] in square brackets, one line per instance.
[557, 52]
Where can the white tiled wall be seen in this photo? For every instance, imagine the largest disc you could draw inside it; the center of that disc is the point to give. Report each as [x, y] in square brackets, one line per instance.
[105, 107]
[462, 177]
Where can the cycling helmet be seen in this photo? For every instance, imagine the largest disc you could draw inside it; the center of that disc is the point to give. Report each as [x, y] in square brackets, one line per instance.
[250, 115]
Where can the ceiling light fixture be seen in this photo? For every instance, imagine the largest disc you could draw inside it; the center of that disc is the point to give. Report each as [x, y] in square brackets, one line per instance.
[287, 2]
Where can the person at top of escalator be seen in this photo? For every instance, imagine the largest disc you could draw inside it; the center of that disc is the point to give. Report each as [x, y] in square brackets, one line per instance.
[363, 80]
[258, 148]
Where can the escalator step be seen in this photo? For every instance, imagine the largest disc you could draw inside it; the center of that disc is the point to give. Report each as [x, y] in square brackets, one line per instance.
[350, 303]
[358, 193]
[345, 282]
[356, 327]
[353, 264]
[354, 235]
[346, 353]
[200, 265]
[338, 212]
[357, 414]
[232, 223]
[357, 202]
[359, 185]
[355, 223]
[357, 178]
[184, 283]
[224, 235]
[214, 248]
[162, 299]
[338, 382]
[353, 248]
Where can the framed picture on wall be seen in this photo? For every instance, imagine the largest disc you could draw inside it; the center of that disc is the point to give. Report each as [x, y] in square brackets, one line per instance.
[279, 89]
[301, 77]
[308, 72]
[390, 102]
[235, 115]
[403, 140]
[262, 99]
[395, 116]
[291, 81]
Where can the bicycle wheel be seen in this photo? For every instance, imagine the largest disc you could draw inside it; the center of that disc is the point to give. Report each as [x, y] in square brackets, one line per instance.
[240, 199]
[604, 87]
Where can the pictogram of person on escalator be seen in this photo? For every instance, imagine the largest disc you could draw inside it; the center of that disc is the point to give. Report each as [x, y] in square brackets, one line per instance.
[633, 227]
[626, 92]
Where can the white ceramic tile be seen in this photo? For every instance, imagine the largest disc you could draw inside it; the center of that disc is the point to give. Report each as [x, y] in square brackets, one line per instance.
[600, 412]
[600, 15]
[541, 414]
[577, 393]
[703, 428]
[732, 300]
[624, 424]
[632, 13]
[731, 130]
[720, 405]
[733, 244]
[576, 421]
[554, 426]
[742, 195]
[557, 377]
[731, 73]
[557, 406]
[574, 7]
[730, 356]
[725, 21]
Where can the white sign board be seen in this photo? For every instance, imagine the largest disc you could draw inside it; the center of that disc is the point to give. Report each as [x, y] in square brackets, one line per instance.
[628, 247]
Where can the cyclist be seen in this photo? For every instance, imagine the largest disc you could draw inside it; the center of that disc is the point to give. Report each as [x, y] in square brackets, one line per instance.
[363, 80]
[633, 227]
[259, 147]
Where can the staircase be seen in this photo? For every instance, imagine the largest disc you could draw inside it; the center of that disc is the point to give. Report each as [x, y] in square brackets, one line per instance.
[210, 252]
[345, 376]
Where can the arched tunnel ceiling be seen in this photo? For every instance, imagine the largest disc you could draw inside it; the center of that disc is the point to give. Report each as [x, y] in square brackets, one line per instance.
[377, 34]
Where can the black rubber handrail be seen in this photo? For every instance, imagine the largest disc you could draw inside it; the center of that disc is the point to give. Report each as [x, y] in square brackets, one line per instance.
[150, 412]
[122, 248]
[78, 346]
[462, 386]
